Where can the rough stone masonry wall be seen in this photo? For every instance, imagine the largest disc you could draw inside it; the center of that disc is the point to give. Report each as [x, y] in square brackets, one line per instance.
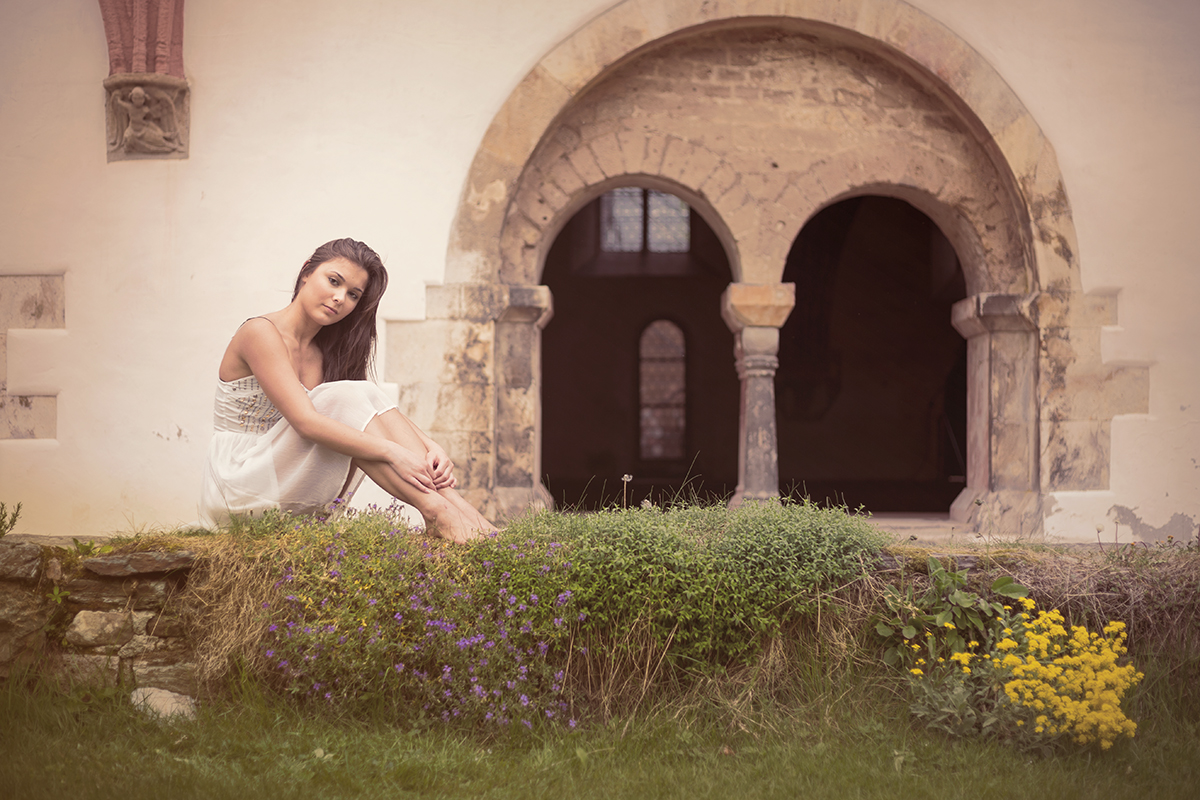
[106, 620]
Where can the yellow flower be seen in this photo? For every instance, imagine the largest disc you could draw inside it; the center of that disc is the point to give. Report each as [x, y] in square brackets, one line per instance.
[949, 625]
[916, 672]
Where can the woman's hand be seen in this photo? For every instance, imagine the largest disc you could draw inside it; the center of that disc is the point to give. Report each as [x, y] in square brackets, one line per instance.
[411, 469]
[440, 467]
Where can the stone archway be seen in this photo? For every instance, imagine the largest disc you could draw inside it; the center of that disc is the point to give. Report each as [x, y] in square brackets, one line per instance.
[974, 161]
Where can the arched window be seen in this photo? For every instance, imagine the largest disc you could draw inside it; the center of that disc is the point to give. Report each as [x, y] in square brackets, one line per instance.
[662, 390]
[634, 220]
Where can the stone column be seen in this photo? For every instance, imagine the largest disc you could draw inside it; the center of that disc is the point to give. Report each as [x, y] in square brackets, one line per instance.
[469, 375]
[755, 312]
[1002, 493]
[519, 327]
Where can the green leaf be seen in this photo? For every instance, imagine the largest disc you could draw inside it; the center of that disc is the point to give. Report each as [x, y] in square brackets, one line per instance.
[884, 630]
[964, 599]
[1007, 587]
[909, 631]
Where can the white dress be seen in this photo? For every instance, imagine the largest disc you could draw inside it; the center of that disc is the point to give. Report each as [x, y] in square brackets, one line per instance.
[257, 461]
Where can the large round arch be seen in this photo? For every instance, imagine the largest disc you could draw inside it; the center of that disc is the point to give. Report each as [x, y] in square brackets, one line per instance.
[553, 147]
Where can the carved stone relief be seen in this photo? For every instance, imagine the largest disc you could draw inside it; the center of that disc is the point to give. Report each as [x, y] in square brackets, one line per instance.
[146, 94]
[147, 116]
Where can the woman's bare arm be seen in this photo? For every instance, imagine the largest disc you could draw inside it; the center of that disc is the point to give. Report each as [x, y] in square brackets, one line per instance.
[260, 346]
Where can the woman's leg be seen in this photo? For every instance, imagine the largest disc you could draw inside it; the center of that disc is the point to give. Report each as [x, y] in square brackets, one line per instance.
[449, 514]
[442, 517]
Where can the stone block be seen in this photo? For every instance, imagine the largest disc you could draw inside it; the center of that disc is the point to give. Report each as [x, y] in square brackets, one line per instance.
[97, 593]
[1013, 374]
[100, 628]
[163, 625]
[633, 150]
[676, 156]
[31, 301]
[1075, 454]
[28, 417]
[722, 179]
[606, 151]
[1012, 455]
[464, 407]
[83, 669]
[142, 646]
[19, 561]
[174, 677]
[1099, 395]
[23, 614]
[162, 703]
[531, 203]
[585, 166]
[143, 563]
[140, 620]
[518, 125]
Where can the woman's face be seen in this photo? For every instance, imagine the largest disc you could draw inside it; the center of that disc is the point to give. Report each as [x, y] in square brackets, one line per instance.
[332, 290]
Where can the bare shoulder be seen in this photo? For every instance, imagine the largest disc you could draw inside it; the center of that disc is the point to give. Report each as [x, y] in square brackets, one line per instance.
[255, 336]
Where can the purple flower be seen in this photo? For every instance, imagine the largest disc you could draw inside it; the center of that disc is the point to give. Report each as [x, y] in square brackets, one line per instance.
[273, 627]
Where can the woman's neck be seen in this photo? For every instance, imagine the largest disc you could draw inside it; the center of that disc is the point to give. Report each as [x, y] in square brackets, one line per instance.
[292, 321]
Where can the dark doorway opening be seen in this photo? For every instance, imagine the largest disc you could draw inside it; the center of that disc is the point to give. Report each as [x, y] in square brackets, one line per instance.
[871, 392]
[638, 376]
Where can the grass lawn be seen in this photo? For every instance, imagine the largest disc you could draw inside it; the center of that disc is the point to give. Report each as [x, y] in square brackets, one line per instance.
[59, 745]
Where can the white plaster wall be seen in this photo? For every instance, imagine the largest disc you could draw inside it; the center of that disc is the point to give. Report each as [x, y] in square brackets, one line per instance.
[312, 120]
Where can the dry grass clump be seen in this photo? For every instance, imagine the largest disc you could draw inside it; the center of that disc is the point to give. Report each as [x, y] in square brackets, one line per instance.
[1154, 591]
[224, 605]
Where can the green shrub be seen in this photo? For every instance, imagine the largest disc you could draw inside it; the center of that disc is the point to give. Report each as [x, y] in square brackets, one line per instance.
[511, 629]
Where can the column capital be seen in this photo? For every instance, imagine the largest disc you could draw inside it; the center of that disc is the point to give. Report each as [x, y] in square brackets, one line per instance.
[490, 302]
[991, 313]
[763, 305]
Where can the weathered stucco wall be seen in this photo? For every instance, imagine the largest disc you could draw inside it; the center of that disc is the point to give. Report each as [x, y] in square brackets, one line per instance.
[330, 120]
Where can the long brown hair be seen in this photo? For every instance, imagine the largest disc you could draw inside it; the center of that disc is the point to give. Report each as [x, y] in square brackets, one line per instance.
[346, 346]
